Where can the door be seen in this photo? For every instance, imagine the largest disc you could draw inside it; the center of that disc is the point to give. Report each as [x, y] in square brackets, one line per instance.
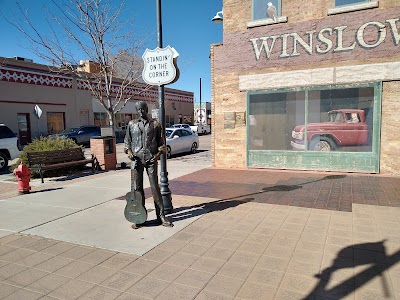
[24, 128]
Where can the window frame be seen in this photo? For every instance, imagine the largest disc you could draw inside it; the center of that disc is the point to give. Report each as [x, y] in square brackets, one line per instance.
[356, 2]
[266, 21]
[102, 120]
[279, 9]
[366, 4]
[314, 160]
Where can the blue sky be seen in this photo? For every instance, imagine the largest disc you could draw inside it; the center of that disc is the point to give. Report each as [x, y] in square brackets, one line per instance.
[186, 24]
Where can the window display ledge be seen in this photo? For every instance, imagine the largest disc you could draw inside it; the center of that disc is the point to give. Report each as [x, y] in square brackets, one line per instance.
[355, 7]
[263, 22]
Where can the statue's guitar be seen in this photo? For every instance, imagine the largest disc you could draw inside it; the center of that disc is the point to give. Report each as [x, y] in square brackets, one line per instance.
[135, 212]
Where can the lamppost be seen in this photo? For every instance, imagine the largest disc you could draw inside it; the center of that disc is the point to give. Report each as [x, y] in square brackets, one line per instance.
[164, 186]
[218, 18]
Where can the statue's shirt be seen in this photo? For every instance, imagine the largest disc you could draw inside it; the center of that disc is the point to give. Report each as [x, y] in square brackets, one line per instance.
[143, 137]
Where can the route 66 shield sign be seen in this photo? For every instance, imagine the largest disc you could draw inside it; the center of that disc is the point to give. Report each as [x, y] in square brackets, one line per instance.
[160, 66]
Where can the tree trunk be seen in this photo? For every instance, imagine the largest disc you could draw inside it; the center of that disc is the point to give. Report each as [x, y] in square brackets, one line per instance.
[111, 118]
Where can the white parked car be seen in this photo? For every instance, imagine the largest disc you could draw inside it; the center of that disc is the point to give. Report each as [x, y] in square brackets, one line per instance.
[202, 129]
[186, 126]
[8, 146]
[181, 140]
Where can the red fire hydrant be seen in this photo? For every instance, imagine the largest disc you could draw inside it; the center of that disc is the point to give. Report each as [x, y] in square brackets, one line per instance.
[23, 174]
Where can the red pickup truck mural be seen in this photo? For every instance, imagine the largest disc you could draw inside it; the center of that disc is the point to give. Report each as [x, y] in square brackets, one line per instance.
[343, 127]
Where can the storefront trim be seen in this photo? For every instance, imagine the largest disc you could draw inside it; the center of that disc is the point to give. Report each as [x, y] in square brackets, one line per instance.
[323, 76]
[334, 161]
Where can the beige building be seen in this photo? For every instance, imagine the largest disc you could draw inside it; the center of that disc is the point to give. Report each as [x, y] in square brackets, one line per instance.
[284, 87]
[66, 102]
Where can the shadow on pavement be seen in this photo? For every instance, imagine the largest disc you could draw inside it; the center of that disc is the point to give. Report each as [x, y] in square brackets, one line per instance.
[185, 212]
[75, 176]
[349, 285]
[6, 172]
[46, 190]
[287, 188]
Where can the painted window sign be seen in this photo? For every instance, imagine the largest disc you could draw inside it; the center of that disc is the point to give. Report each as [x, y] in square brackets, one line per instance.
[327, 40]
[261, 8]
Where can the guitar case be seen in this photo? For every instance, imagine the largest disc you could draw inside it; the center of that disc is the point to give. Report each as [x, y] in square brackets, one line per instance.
[135, 212]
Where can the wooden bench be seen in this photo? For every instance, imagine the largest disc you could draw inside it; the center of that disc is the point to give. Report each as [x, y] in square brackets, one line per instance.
[56, 159]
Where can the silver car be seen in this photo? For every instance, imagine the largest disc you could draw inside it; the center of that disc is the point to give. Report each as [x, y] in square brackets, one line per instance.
[181, 140]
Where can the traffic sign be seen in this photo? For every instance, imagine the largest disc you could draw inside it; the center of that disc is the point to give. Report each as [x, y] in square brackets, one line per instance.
[160, 66]
[38, 111]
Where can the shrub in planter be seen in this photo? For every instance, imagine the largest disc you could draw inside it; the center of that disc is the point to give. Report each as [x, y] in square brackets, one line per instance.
[46, 144]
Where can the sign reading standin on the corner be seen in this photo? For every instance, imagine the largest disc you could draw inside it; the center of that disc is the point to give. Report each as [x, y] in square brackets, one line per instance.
[160, 66]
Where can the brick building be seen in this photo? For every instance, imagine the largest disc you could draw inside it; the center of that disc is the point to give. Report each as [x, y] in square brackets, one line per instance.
[281, 87]
[65, 101]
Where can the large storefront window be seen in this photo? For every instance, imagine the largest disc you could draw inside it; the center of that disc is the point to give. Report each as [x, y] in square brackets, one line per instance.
[272, 118]
[55, 122]
[169, 120]
[101, 119]
[122, 119]
[340, 120]
[326, 128]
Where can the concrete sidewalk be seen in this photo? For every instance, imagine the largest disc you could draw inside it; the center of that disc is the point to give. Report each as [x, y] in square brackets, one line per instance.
[238, 234]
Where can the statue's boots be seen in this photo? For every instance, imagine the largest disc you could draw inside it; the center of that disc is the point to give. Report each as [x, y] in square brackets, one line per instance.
[161, 218]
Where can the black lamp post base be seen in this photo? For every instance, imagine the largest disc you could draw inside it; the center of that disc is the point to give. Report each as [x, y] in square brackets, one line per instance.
[167, 201]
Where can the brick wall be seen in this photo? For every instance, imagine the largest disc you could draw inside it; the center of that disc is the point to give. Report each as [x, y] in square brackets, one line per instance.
[238, 52]
[390, 134]
[229, 144]
[235, 57]
[107, 161]
[238, 12]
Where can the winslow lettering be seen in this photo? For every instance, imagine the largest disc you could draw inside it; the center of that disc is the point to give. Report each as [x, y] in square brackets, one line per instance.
[325, 40]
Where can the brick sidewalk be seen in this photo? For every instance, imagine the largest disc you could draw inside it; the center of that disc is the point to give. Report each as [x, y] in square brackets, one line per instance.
[302, 189]
[265, 237]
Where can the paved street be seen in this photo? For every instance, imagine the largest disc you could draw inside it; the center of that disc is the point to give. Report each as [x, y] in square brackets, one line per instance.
[238, 234]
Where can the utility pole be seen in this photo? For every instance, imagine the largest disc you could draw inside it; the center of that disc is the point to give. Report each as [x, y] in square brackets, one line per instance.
[200, 104]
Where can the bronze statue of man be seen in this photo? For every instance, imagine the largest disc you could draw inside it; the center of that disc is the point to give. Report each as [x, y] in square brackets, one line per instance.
[144, 144]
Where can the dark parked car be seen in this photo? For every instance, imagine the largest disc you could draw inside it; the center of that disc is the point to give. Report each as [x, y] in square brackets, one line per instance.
[81, 135]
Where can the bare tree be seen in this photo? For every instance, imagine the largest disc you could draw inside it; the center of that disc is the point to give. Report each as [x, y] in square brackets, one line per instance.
[126, 63]
[93, 30]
